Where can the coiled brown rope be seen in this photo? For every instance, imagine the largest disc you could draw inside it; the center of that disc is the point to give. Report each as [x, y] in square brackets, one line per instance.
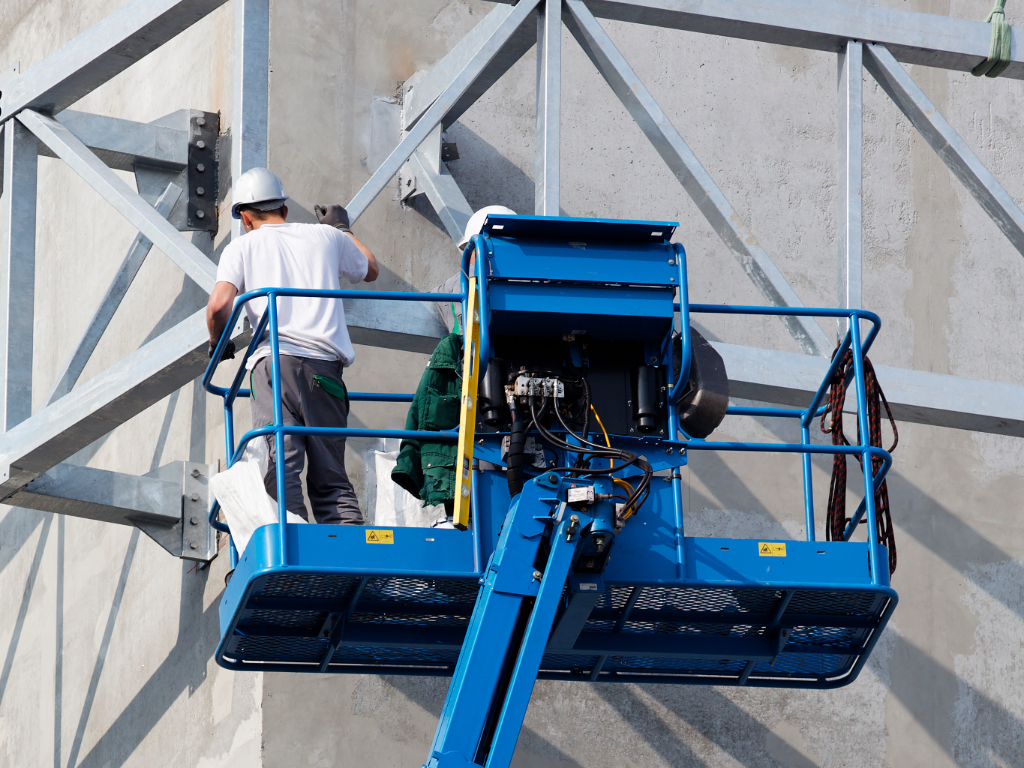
[837, 520]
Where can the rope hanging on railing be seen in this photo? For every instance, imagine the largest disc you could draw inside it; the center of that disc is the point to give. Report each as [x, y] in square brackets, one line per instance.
[837, 520]
[999, 52]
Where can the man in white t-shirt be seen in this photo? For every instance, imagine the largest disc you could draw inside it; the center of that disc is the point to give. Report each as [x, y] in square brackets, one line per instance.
[312, 334]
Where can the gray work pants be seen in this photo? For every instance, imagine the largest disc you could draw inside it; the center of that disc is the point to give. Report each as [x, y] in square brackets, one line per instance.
[304, 402]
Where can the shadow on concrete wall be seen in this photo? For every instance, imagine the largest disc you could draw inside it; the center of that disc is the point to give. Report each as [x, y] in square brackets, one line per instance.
[429, 693]
[482, 168]
[26, 599]
[926, 689]
[101, 656]
[183, 670]
[15, 530]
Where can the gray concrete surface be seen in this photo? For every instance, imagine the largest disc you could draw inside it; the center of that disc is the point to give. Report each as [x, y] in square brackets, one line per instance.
[106, 641]
[107, 644]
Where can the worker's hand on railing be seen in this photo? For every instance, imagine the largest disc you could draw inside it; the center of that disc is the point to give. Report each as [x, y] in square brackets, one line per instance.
[229, 350]
[334, 216]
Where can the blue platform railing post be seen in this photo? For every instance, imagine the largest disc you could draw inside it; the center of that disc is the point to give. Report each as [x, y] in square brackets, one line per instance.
[482, 252]
[865, 446]
[467, 253]
[229, 436]
[677, 508]
[275, 379]
[474, 519]
[805, 439]
[684, 333]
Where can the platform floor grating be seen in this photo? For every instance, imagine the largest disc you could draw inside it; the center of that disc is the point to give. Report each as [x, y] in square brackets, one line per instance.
[406, 624]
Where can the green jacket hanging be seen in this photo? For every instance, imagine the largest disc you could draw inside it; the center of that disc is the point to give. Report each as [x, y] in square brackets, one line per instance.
[427, 470]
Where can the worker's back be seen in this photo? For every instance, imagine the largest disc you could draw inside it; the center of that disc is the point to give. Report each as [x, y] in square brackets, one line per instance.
[304, 256]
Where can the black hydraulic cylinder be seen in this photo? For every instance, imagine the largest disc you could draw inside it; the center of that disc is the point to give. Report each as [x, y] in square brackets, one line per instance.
[493, 407]
[645, 410]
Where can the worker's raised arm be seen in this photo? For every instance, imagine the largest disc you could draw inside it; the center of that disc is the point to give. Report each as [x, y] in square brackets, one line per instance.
[372, 270]
[336, 216]
[218, 310]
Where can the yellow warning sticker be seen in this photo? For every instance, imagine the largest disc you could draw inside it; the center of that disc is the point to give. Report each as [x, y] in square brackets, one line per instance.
[771, 549]
[380, 537]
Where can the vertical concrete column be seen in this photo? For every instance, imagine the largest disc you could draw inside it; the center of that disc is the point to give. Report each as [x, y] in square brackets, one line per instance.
[17, 272]
[549, 97]
[850, 136]
[252, 90]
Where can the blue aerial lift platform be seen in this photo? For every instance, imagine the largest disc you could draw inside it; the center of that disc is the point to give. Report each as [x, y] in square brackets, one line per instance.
[572, 562]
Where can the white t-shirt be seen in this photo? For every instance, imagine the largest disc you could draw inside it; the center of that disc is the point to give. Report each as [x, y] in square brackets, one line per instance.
[297, 256]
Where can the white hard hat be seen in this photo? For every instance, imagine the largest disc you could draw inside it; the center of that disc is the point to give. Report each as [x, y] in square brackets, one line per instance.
[259, 188]
[476, 221]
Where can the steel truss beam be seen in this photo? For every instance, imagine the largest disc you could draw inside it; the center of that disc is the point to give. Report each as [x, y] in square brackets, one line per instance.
[101, 53]
[126, 273]
[947, 143]
[411, 326]
[127, 202]
[57, 432]
[120, 144]
[17, 273]
[680, 159]
[444, 194]
[252, 90]
[914, 396]
[436, 82]
[850, 137]
[472, 75]
[824, 25]
[549, 103]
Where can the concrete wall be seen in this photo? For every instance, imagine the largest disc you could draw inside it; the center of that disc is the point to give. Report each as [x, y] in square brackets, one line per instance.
[106, 641]
[943, 685]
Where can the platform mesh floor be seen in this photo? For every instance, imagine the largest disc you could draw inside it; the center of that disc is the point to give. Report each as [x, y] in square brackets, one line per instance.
[403, 623]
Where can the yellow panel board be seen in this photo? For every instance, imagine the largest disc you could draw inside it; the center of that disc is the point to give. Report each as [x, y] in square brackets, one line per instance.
[467, 417]
[375, 536]
[771, 549]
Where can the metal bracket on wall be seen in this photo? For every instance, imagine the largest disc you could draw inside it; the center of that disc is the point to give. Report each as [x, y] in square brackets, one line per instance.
[198, 538]
[201, 172]
[169, 504]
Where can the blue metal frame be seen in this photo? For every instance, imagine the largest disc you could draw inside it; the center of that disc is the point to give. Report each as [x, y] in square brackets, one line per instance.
[666, 608]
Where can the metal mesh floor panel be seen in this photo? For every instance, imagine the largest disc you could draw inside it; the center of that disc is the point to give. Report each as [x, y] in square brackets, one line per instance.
[322, 586]
[802, 664]
[415, 607]
[406, 590]
[834, 603]
[629, 663]
[270, 649]
[311, 620]
[360, 655]
[557, 662]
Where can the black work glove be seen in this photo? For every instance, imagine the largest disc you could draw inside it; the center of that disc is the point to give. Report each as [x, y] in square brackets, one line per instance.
[334, 216]
[229, 350]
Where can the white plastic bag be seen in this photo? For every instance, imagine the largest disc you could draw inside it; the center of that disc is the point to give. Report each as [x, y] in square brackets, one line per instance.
[396, 506]
[242, 496]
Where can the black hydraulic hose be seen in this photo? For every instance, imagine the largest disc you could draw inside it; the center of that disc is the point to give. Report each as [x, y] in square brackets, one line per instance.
[565, 446]
[626, 458]
[516, 451]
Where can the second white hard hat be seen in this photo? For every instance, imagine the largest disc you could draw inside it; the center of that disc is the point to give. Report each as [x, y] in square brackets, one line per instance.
[259, 188]
[476, 221]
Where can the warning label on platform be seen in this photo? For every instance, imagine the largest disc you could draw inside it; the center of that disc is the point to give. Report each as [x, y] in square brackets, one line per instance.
[771, 549]
[386, 537]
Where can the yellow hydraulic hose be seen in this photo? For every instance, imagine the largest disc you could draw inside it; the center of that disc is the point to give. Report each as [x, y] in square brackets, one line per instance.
[618, 481]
